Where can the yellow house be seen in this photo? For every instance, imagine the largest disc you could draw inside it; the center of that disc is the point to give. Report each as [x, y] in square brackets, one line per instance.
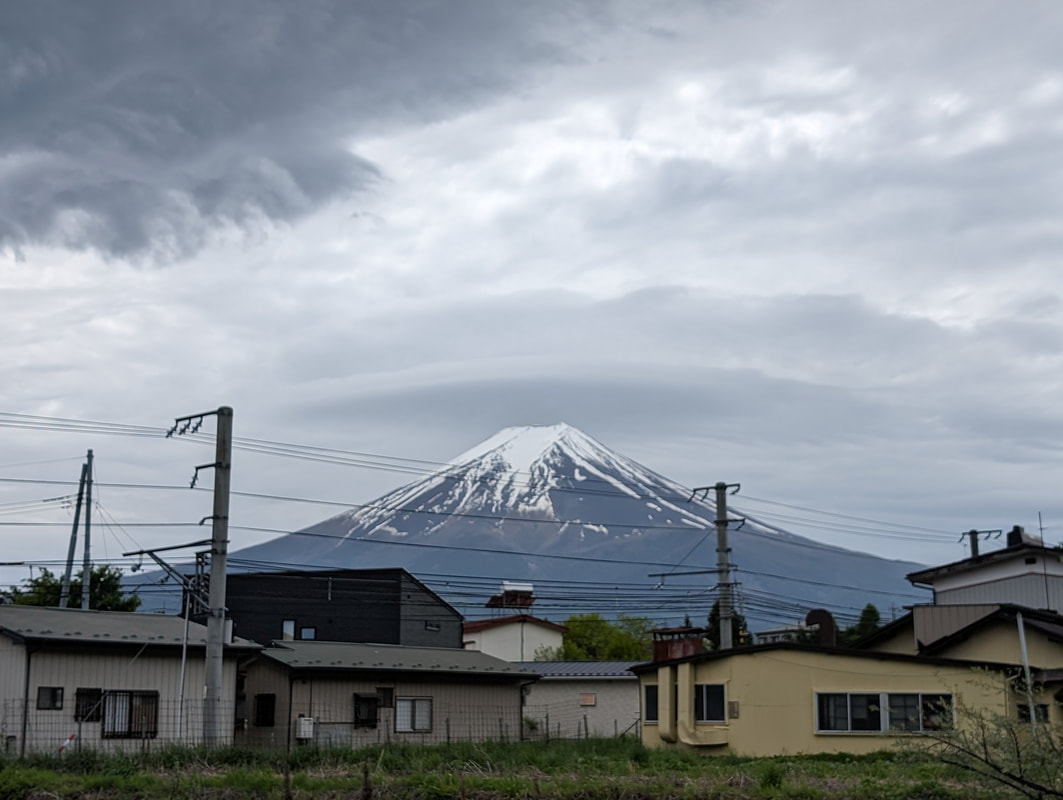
[788, 698]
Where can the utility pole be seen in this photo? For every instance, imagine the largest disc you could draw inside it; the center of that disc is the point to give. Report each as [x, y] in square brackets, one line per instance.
[723, 564]
[64, 591]
[213, 721]
[86, 574]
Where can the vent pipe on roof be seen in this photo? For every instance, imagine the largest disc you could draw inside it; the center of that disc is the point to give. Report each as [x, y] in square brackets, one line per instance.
[1016, 536]
[973, 536]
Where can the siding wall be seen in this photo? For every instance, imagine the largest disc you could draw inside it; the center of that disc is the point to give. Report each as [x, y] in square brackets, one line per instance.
[151, 669]
[471, 710]
[557, 702]
[1031, 590]
[515, 641]
[1000, 642]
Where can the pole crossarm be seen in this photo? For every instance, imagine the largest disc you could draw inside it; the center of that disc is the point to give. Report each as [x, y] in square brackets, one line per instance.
[190, 424]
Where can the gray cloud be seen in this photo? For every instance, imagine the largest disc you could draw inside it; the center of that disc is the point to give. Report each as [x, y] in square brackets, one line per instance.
[138, 129]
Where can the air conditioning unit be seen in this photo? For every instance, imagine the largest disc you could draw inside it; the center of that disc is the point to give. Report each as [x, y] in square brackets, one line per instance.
[304, 728]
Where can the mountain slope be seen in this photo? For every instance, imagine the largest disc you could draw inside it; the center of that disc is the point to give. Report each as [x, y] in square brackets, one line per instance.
[551, 505]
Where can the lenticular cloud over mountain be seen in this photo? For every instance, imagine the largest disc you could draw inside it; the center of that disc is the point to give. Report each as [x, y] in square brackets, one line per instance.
[550, 504]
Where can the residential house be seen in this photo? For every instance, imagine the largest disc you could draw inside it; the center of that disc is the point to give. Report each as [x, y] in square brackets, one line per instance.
[1024, 572]
[788, 698]
[388, 606]
[105, 679]
[519, 637]
[577, 699]
[339, 694]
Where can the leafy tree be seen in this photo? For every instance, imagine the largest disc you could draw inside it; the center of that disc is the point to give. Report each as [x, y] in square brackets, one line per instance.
[591, 637]
[869, 622]
[739, 632]
[46, 588]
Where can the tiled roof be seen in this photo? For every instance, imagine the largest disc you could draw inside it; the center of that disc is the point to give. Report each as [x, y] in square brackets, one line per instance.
[41, 624]
[349, 656]
[494, 622]
[580, 669]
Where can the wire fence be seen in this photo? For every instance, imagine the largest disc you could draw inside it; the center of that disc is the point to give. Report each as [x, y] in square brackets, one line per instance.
[134, 722]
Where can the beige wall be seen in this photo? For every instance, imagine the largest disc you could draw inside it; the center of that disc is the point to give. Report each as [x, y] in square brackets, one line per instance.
[1000, 642]
[774, 695]
[516, 641]
[615, 707]
[467, 710]
[153, 669]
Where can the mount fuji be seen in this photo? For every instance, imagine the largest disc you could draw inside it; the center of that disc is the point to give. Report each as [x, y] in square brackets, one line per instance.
[593, 531]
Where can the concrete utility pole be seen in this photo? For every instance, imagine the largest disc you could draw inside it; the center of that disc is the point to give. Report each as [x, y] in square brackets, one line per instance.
[723, 565]
[213, 720]
[64, 591]
[86, 573]
[219, 552]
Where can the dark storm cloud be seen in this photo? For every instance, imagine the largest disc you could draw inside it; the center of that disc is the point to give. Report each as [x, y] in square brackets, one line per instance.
[142, 128]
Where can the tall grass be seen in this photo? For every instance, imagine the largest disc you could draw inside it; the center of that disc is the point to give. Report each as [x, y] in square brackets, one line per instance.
[610, 769]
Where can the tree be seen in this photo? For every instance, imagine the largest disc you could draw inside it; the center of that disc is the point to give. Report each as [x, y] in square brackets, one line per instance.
[591, 637]
[1002, 749]
[869, 622]
[46, 588]
[739, 631]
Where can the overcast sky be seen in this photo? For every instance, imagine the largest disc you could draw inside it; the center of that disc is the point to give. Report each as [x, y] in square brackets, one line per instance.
[811, 248]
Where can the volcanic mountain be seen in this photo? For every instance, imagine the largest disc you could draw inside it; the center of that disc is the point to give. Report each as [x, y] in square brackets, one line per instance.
[552, 506]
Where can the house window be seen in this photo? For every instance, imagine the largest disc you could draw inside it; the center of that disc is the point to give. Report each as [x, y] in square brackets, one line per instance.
[88, 705]
[287, 630]
[366, 711]
[386, 697]
[709, 705]
[432, 626]
[413, 714]
[1040, 709]
[265, 710]
[130, 715]
[879, 712]
[50, 698]
[649, 706]
[308, 633]
[588, 699]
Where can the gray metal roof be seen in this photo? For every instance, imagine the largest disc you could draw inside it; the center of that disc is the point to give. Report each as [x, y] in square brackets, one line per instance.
[350, 656]
[42, 624]
[580, 669]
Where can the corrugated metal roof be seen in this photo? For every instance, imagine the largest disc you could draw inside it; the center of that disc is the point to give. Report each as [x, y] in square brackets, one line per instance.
[580, 669]
[391, 658]
[37, 623]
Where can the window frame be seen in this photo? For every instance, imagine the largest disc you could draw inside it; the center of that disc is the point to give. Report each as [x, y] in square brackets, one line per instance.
[650, 706]
[134, 701]
[1040, 710]
[88, 704]
[260, 718]
[366, 710]
[288, 630]
[308, 629]
[414, 720]
[49, 698]
[878, 705]
[703, 703]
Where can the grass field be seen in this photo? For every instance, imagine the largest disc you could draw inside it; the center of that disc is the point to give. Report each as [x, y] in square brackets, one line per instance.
[610, 769]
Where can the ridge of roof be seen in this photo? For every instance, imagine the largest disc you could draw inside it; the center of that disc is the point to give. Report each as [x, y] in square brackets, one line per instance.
[494, 622]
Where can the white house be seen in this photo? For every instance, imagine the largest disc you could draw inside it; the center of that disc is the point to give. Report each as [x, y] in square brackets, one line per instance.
[517, 637]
